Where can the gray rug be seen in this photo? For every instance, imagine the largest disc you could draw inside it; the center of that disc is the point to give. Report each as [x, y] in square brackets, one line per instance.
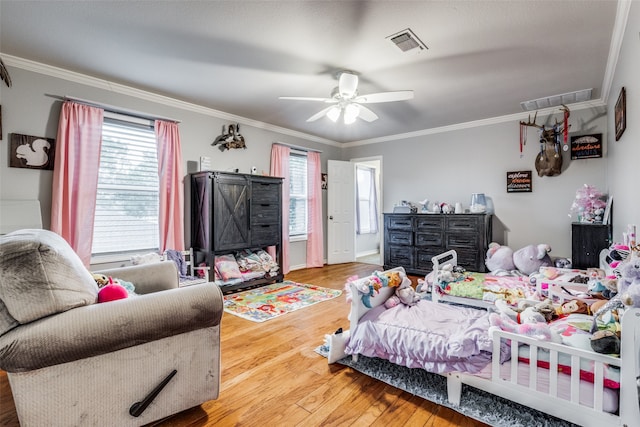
[476, 404]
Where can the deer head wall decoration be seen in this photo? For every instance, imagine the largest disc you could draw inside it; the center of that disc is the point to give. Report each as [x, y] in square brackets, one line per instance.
[553, 141]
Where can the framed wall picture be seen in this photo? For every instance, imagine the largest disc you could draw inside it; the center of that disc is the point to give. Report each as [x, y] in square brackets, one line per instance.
[519, 182]
[31, 152]
[586, 146]
[324, 180]
[621, 113]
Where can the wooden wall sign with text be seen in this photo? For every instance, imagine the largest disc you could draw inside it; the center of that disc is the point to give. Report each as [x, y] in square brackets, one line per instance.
[519, 182]
[586, 146]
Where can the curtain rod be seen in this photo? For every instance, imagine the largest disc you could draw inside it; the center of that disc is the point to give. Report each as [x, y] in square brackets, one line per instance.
[298, 147]
[114, 109]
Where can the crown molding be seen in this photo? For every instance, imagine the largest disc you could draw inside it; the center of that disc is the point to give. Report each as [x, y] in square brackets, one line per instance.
[621, 19]
[110, 86]
[617, 36]
[477, 123]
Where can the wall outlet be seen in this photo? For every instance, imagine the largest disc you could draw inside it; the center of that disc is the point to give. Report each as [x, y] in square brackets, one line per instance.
[254, 170]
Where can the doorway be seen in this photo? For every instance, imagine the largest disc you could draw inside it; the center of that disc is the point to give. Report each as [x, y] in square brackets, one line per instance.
[368, 177]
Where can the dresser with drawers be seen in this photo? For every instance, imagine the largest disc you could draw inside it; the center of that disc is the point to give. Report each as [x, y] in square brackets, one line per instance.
[411, 240]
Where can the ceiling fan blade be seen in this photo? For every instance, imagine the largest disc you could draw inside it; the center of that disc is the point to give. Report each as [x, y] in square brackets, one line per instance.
[366, 114]
[347, 85]
[319, 114]
[306, 98]
[400, 95]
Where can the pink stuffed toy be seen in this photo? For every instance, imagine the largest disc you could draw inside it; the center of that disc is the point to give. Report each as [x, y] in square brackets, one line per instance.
[538, 330]
[111, 292]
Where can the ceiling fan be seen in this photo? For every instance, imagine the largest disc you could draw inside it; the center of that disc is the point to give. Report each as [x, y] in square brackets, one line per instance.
[348, 103]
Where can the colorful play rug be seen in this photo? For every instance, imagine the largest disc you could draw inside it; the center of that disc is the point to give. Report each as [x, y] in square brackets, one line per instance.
[274, 300]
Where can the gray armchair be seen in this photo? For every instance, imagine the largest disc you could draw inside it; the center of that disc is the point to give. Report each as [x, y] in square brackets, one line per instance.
[71, 361]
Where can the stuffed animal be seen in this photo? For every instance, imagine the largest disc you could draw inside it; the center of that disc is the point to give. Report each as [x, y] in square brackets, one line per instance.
[407, 295]
[537, 330]
[563, 263]
[112, 291]
[392, 301]
[526, 260]
[101, 279]
[573, 306]
[605, 342]
[530, 258]
[521, 315]
[629, 273]
[394, 279]
[499, 258]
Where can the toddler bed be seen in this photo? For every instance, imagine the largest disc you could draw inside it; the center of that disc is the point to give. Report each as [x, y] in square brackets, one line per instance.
[483, 289]
[476, 289]
[576, 385]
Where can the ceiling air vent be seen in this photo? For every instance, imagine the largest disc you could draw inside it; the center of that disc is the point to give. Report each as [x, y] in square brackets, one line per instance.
[406, 40]
[555, 100]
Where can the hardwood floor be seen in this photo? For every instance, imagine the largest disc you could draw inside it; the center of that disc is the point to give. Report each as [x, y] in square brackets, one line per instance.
[271, 375]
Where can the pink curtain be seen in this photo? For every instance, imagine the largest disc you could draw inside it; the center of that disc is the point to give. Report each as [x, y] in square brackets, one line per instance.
[315, 239]
[280, 167]
[171, 216]
[75, 176]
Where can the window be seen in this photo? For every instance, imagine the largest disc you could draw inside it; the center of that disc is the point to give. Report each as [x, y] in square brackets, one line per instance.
[297, 195]
[367, 209]
[126, 218]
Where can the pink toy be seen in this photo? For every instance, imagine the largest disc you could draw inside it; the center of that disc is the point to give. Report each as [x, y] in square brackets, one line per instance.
[588, 204]
[112, 292]
[539, 331]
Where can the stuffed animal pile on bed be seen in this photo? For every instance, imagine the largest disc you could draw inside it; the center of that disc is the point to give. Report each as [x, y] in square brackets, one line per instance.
[368, 286]
[574, 323]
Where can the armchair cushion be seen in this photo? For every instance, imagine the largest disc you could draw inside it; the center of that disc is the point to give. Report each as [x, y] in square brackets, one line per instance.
[102, 328]
[41, 275]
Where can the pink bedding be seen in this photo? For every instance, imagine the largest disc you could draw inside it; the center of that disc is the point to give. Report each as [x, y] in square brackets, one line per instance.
[437, 337]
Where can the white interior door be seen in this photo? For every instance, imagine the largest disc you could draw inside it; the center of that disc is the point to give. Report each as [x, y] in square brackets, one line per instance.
[341, 200]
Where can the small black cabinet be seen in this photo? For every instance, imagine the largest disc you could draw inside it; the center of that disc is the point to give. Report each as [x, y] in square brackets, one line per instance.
[411, 240]
[587, 240]
[231, 212]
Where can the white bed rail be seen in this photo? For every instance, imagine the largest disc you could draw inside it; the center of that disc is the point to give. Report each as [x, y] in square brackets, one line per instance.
[509, 385]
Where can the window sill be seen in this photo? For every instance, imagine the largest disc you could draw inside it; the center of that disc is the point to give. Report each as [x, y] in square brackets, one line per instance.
[302, 238]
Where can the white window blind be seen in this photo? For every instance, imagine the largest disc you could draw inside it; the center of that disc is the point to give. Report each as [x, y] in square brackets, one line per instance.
[297, 194]
[126, 217]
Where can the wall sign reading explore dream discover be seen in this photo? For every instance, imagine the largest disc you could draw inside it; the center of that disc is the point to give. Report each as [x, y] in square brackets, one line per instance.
[519, 182]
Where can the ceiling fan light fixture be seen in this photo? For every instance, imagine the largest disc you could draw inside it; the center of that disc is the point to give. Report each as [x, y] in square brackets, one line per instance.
[334, 113]
[348, 84]
[351, 113]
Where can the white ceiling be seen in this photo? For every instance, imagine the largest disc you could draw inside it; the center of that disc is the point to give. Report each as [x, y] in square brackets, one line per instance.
[483, 57]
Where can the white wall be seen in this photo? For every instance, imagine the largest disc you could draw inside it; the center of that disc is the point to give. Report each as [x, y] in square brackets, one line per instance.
[624, 155]
[449, 166]
[27, 109]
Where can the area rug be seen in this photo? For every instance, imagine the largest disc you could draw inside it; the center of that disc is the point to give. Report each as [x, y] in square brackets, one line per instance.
[476, 404]
[271, 301]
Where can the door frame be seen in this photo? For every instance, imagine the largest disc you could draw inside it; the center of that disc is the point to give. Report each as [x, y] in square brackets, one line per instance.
[357, 160]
